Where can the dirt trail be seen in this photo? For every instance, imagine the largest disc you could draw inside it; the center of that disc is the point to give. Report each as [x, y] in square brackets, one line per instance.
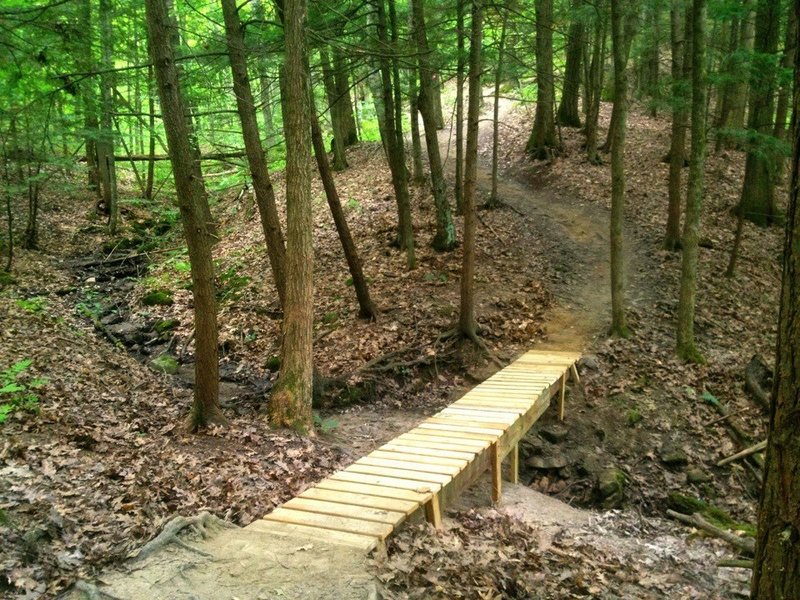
[574, 237]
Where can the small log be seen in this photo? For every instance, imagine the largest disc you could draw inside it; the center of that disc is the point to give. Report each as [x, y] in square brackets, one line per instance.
[746, 545]
[746, 452]
[757, 381]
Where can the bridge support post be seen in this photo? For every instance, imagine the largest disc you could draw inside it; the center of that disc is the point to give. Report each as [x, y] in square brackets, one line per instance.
[433, 511]
[497, 480]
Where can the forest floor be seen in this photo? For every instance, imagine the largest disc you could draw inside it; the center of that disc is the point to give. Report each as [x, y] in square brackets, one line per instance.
[105, 462]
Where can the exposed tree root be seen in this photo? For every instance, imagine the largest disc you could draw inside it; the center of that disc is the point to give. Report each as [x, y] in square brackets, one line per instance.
[93, 592]
[200, 523]
[736, 563]
[746, 545]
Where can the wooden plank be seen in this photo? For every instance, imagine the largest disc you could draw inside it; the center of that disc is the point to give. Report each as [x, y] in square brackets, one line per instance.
[428, 449]
[408, 494]
[365, 543]
[470, 440]
[348, 525]
[562, 399]
[324, 507]
[497, 482]
[494, 420]
[418, 476]
[414, 485]
[492, 404]
[509, 413]
[399, 463]
[487, 432]
[466, 421]
[460, 434]
[353, 499]
[433, 512]
[431, 458]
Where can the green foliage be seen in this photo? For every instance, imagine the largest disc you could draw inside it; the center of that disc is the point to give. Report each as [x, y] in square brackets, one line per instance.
[164, 364]
[230, 284]
[330, 317]
[274, 363]
[34, 305]
[353, 205]
[325, 425]
[6, 278]
[165, 325]
[16, 393]
[160, 297]
[716, 516]
[633, 416]
[440, 277]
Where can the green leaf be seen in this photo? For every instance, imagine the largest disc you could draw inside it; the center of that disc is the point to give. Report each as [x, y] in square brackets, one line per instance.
[710, 398]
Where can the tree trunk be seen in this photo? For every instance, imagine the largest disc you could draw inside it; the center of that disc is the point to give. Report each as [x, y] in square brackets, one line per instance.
[264, 83]
[191, 196]
[290, 405]
[445, 238]
[543, 139]
[494, 201]
[686, 347]
[395, 152]
[594, 85]
[89, 98]
[459, 124]
[757, 202]
[418, 173]
[782, 110]
[105, 143]
[776, 568]
[367, 309]
[466, 323]
[568, 114]
[681, 67]
[335, 109]
[340, 76]
[151, 162]
[262, 184]
[621, 12]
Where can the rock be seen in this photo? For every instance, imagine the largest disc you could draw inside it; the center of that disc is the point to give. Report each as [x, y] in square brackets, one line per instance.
[672, 456]
[111, 319]
[129, 332]
[157, 298]
[589, 363]
[554, 433]
[165, 364]
[697, 476]
[165, 325]
[610, 487]
[555, 461]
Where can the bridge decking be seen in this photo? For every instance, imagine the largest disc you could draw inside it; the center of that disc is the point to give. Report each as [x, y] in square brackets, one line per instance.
[428, 466]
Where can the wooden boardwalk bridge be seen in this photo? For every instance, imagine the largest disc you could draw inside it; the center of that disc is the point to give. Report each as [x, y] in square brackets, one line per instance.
[427, 467]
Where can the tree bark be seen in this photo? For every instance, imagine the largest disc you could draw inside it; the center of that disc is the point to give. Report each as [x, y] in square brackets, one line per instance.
[459, 124]
[621, 12]
[445, 238]
[568, 113]
[89, 98]
[151, 161]
[466, 322]
[340, 76]
[335, 110]
[394, 151]
[417, 173]
[776, 568]
[191, 198]
[594, 85]
[686, 347]
[105, 143]
[367, 309]
[494, 201]
[757, 201]
[264, 84]
[681, 67]
[290, 405]
[543, 141]
[262, 183]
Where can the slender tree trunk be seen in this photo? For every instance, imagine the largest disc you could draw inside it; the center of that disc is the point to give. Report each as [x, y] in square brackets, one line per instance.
[466, 323]
[337, 115]
[340, 75]
[543, 140]
[739, 93]
[445, 238]
[418, 173]
[191, 196]
[757, 202]
[151, 162]
[681, 63]
[264, 83]
[460, 68]
[494, 200]
[9, 214]
[621, 12]
[367, 309]
[89, 96]
[686, 348]
[776, 568]
[594, 85]
[105, 145]
[290, 405]
[262, 184]
[568, 113]
[395, 152]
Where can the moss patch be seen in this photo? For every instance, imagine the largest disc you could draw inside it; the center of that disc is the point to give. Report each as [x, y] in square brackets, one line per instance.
[160, 297]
